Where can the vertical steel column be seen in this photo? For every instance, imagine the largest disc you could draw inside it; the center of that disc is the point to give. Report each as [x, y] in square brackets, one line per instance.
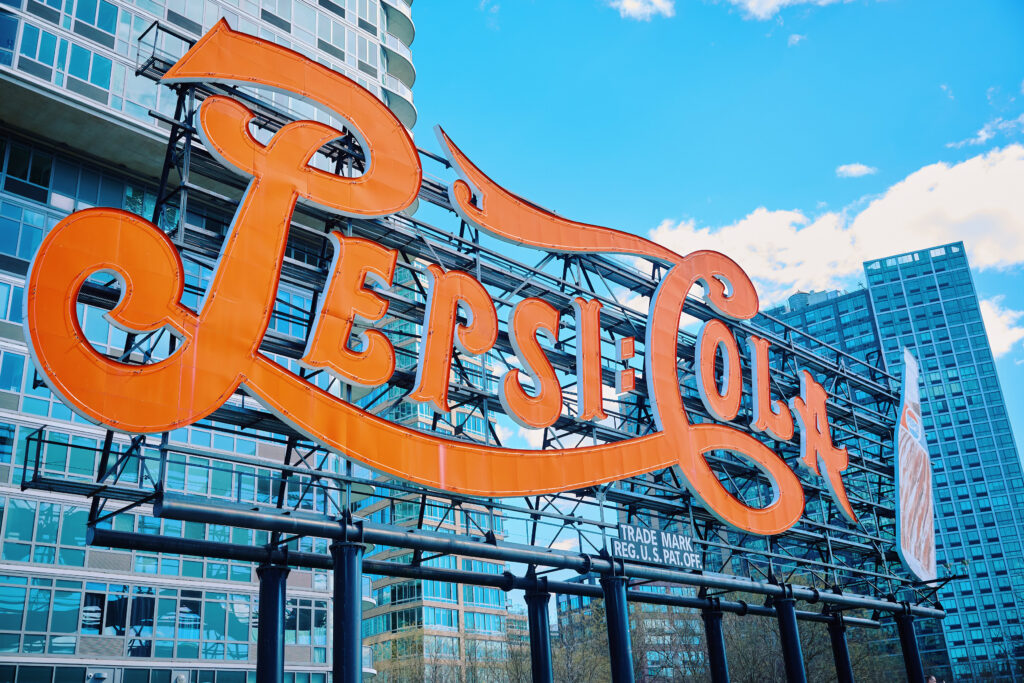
[718, 663]
[617, 615]
[540, 631]
[270, 634]
[789, 634]
[908, 641]
[347, 637]
[840, 650]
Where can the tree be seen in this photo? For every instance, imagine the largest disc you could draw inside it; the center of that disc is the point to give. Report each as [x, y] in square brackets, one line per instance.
[668, 643]
[579, 651]
[754, 651]
[516, 666]
[417, 658]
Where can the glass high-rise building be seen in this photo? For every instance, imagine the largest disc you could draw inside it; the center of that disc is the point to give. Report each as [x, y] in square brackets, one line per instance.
[76, 131]
[426, 629]
[926, 301]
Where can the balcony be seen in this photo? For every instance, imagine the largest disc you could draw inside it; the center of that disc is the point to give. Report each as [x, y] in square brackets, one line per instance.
[398, 96]
[368, 671]
[397, 45]
[368, 601]
[399, 60]
[399, 20]
[396, 86]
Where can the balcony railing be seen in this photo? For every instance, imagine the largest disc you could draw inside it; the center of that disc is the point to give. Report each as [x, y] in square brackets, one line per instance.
[159, 47]
[396, 86]
[397, 45]
[139, 472]
[403, 7]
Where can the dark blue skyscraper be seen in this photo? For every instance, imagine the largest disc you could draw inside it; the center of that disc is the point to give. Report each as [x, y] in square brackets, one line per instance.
[926, 301]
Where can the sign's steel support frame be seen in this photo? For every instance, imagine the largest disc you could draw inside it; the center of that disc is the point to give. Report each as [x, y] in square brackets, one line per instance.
[347, 634]
[842, 563]
[718, 663]
[840, 649]
[908, 641]
[616, 614]
[212, 549]
[789, 636]
[270, 658]
[537, 599]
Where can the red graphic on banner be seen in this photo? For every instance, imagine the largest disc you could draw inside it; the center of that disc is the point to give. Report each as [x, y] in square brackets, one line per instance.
[915, 511]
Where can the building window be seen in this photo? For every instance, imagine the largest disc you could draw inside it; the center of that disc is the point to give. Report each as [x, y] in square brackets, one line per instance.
[10, 304]
[28, 175]
[98, 13]
[43, 618]
[481, 622]
[483, 597]
[368, 15]
[47, 533]
[367, 55]
[11, 371]
[89, 67]
[439, 617]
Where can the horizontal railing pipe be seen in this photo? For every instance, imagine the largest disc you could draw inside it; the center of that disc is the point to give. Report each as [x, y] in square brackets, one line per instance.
[196, 509]
[507, 581]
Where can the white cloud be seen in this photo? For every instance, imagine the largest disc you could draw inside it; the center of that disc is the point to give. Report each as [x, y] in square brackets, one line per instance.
[766, 9]
[978, 200]
[855, 170]
[490, 8]
[780, 250]
[534, 438]
[644, 10]
[565, 544]
[998, 100]
[1002, 325]
[795, 39]
[504, 434]
[638, 302]
[997, 126]
[947, 90]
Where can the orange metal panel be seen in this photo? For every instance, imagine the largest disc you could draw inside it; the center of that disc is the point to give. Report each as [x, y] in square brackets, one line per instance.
[771, 417]
[589, 391]
[541, 409]
[446, 293]
[722, 402]
[355, 260]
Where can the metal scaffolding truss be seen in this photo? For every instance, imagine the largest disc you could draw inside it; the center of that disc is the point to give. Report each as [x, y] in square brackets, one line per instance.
[294, 488]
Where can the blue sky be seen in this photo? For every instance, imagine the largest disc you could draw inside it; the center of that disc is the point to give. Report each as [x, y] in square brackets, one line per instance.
[798, 137]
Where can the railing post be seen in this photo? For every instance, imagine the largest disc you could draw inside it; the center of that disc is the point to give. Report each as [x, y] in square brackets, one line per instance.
[270, 634]
[347, 637]
[908, 641]
[840, 649]
[108, 443]
[617, 615]
[39, 455]
[718, 663]
[540, 631]
[789, 635]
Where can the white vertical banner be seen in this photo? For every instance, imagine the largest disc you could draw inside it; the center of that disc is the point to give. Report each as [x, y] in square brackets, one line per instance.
[915, 514]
